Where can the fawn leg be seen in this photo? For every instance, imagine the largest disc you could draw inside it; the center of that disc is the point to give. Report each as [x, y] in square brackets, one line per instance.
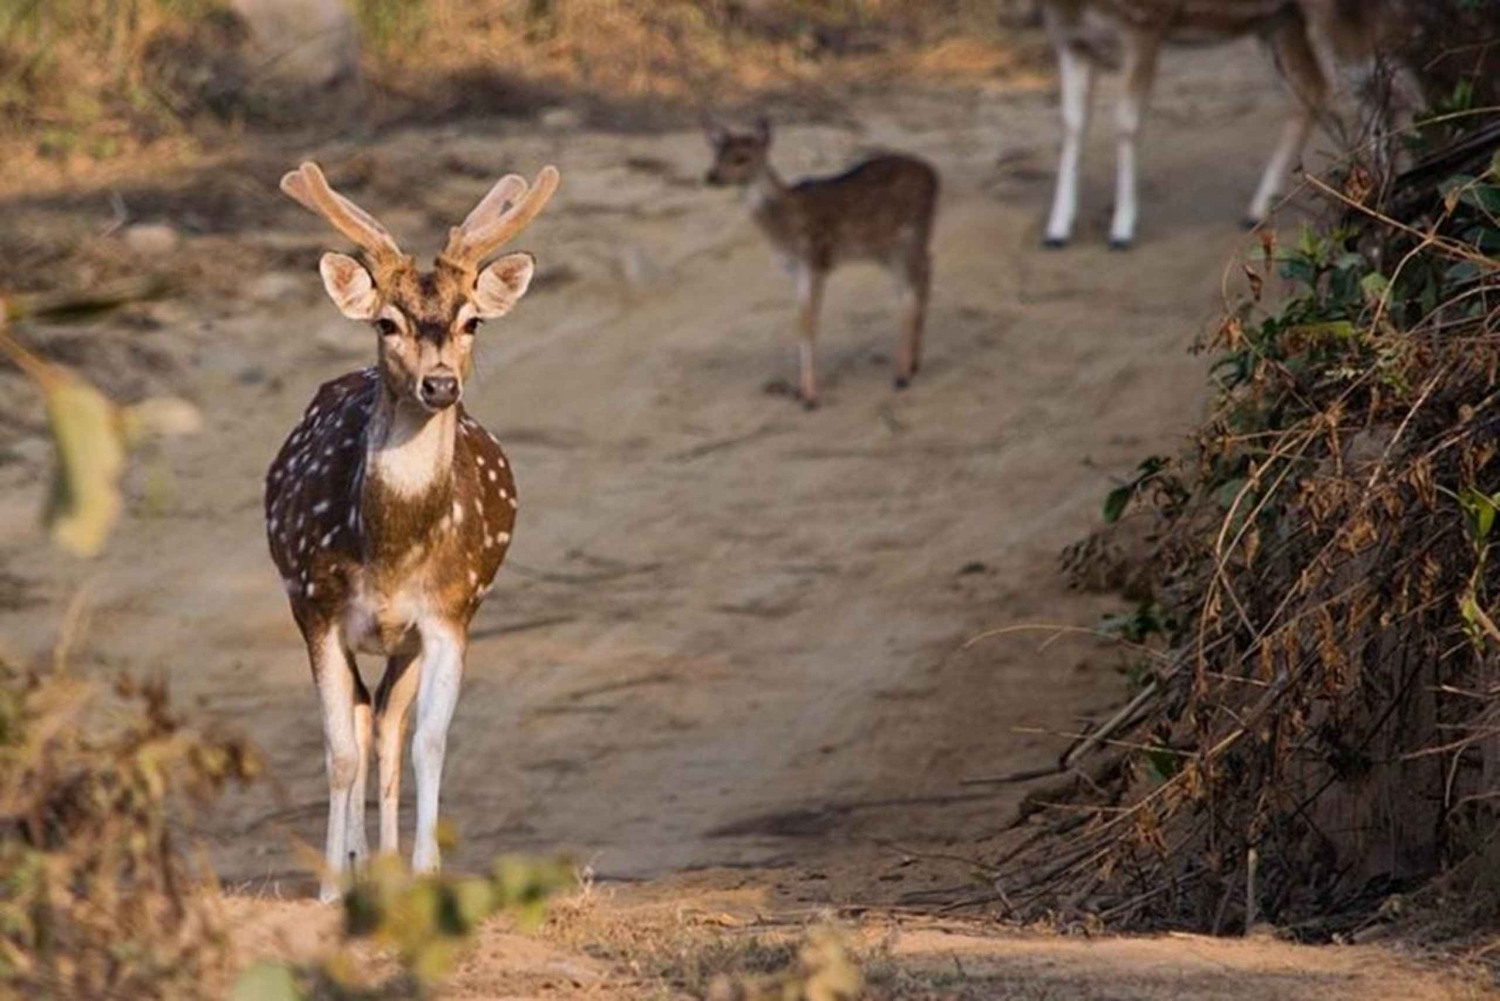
[809, 300]
[915, 279]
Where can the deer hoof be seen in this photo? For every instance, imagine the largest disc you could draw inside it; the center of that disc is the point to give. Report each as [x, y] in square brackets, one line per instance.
[1119, 243]
[1250, 222]
[902, 381]
[1054, 242]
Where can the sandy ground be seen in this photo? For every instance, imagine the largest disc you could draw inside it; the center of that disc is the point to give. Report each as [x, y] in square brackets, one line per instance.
[722, 658]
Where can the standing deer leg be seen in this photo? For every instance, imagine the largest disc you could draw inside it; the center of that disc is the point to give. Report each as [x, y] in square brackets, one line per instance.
[1141, 49]
[441, 673]
[392, 710]
[1077, 83]
[810, 281]
[358, 846]
[914, 278]
[1304, 71]
[334, 674]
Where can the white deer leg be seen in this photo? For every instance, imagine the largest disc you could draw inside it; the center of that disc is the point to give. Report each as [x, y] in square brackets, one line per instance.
[809, 302]
[358, 847]
[1077, 84]
[442, 671]
[1273, 180]
[1140, 72]
[334, 673]
[1303, 69]
[393, 705]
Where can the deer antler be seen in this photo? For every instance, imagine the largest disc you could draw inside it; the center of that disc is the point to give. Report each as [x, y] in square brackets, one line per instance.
[310, 189]
[500, 215]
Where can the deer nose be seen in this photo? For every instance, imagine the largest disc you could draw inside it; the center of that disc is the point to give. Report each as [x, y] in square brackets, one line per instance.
[440, 391]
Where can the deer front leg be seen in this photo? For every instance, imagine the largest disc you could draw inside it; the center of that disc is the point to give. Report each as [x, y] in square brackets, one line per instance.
[357, 848]
[437, 695]
[1141, 50]
[392, 709]
[1077, 85]
[334, 674]
[809, 301]
[913, 284]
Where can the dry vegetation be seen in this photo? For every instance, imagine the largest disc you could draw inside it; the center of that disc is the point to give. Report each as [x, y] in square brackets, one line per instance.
[1312, 738]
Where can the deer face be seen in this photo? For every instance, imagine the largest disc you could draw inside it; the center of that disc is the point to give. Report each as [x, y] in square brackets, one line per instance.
[738, 156]
[426, 321]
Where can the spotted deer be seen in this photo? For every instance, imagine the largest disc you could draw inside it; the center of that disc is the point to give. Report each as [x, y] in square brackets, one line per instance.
[880, 210]
[389, 509]
[1311, 40]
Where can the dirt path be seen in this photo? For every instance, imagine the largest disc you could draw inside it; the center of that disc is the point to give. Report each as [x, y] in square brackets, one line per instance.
[725, 639]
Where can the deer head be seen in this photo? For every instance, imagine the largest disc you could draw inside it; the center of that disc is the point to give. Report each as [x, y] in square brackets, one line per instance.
[738, 156]
[427, 319]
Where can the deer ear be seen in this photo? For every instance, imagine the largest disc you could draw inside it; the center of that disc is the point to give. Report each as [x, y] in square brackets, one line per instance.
[716, 134]
[501, 285]
[350, 286]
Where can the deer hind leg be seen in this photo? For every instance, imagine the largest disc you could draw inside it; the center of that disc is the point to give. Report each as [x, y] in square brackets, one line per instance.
[810, 281]
[915, 279]
[1304, 72]
[392, 710]
[336, 678]
[437, 696]
[1076, 71]
[1141, 50]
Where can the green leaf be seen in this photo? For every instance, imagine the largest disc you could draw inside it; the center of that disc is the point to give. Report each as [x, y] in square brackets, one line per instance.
[266, 981]
[1116, 503]
[85, 499]
[1227, 492]
[1374, 285]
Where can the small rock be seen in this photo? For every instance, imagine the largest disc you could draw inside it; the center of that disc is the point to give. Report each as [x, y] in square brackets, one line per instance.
[972, 568]
[152, 239]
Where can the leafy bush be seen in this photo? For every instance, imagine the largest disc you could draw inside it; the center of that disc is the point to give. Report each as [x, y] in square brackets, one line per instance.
[96, 899]
[1315, 732]
[424, 920]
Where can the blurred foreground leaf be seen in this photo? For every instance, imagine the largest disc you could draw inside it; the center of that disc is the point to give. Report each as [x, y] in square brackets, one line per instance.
[266, 982]
[426, 920]
[91, 434]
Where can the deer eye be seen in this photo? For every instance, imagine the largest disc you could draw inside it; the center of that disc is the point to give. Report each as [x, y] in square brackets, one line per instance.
[471, 325]
[387, 327]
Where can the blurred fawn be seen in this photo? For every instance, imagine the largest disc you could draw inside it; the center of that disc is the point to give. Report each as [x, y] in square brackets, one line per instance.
[389, 510]
[880, 210]
[1309, 38]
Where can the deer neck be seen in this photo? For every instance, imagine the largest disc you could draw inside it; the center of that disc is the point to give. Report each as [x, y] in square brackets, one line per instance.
[765, 191]
[408, 483]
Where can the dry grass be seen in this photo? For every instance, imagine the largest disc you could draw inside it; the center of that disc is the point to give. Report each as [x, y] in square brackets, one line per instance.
[693, 53]
[1314, 736]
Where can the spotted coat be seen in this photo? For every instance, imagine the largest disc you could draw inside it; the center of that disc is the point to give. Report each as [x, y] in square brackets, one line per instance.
[340, 542]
